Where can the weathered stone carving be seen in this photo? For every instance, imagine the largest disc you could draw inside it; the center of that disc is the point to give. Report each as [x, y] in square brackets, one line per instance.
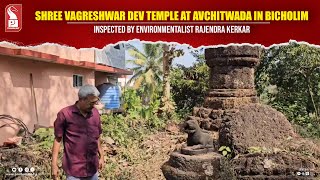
[196, 136]
[199, 141]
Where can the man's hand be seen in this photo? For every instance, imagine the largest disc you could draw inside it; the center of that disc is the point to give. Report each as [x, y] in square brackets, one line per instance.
[101, 163]
[55, 172]
[54, 165]
[101, 154]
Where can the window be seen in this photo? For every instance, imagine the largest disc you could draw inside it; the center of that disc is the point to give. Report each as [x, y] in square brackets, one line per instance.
[117, 46]
[77, 80]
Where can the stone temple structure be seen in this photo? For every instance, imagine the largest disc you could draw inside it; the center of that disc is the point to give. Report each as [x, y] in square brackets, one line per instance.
[258, 135]
[231, 83]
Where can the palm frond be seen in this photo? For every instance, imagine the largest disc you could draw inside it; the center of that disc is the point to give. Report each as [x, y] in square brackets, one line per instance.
[135, 76]
[138, 82]
[136, 69]
[140, 62]
[132, 61]
[152, 50]
[148, 68]
[149, 76]
[159, 61]
[136, 54]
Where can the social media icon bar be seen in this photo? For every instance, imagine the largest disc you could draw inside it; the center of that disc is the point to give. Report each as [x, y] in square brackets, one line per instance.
[13, 169]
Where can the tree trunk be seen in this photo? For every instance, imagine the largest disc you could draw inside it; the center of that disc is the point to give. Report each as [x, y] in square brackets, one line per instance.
[311, 96]
[166, 107]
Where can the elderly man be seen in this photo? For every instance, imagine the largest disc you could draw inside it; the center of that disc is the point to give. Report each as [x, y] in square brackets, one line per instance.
[79, 127]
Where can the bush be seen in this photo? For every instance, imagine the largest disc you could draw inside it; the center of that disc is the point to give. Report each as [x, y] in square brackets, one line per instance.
[139, 119]
[310, 130]
[139, 113]
[189, 86]
[44, 137]
[288, 80]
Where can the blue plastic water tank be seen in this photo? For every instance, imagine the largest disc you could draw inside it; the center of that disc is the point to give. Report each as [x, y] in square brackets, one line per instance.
[110, 95]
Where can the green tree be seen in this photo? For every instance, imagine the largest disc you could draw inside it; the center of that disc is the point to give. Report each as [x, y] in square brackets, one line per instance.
[190, 84]
[288, 79]
[169, 53]
[147, 70]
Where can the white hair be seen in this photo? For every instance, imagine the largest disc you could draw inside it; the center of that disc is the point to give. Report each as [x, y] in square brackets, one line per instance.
[88, 90]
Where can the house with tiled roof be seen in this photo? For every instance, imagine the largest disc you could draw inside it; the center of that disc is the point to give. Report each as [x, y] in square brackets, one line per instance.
[36, 82]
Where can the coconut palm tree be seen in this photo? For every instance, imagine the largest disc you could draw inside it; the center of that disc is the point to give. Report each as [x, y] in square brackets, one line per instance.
[147, 69]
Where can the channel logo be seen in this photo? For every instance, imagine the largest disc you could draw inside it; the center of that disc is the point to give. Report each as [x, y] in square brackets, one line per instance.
[13, 18]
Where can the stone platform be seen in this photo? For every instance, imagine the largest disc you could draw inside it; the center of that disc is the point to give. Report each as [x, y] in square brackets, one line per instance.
[232, 109]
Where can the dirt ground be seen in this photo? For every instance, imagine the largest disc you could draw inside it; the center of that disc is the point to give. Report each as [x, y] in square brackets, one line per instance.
[160, 146]
[148, 157]
[155, 150]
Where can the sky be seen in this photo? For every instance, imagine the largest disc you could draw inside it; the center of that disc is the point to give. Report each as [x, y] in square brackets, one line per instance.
[187, 59]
